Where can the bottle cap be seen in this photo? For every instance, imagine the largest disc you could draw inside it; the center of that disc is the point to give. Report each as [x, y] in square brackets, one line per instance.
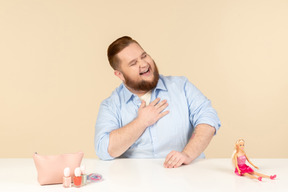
[67, 172]
[77, 172]
[83, 169]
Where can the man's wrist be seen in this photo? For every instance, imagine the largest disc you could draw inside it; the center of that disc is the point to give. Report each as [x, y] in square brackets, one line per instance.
[140, 123]
[189, 159]
[189, 156]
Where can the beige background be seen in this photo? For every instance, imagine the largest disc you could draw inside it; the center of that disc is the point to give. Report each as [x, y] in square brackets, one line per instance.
[54, 71]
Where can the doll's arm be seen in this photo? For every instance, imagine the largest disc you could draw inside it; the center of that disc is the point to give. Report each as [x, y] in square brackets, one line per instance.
[250, 162]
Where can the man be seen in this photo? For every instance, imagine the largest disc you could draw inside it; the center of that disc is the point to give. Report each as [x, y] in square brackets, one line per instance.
[150, 115]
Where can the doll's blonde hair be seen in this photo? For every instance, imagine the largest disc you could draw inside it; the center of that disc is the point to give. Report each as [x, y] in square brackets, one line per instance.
[236, 149]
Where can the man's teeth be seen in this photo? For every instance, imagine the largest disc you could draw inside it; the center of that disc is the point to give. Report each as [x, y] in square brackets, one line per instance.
[144, 72]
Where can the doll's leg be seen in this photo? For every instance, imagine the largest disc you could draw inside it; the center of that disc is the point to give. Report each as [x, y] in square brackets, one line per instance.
[251, 176]
[261, 175]
[267, 176]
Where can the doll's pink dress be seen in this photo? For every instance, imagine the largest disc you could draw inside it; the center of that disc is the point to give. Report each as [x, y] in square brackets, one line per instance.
[242, 166]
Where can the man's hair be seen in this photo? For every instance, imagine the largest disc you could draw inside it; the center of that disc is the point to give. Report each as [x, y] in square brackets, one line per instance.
[117, 46]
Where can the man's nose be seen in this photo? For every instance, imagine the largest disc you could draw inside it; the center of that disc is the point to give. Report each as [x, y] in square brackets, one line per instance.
[143, 64]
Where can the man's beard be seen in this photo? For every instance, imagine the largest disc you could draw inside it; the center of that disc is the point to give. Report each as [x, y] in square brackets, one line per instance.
[143, 85]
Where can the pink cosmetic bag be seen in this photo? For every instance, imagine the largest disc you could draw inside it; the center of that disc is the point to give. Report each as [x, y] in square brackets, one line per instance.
[50, 168]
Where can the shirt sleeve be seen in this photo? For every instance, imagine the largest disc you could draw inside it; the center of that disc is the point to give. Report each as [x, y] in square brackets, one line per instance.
[107, 121]
[200, 109]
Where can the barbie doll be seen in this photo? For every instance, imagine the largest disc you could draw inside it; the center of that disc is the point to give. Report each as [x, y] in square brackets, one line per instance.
[239, 158]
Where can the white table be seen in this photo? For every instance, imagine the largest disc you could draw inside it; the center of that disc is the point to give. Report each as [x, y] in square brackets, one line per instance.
[137, 175]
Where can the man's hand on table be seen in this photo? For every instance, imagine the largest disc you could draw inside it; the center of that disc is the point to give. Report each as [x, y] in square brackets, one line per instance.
[175, 159]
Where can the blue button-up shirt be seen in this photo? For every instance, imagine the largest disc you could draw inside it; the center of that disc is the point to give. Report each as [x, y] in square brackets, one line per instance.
[187, 107]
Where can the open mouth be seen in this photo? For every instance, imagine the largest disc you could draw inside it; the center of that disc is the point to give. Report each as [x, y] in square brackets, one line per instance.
[145, 72]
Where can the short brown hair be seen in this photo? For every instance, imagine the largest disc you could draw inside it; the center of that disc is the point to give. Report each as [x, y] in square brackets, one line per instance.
[117, 46]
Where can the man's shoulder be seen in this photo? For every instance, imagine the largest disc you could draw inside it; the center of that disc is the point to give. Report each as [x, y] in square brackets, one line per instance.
[174, 80]
[115, 96]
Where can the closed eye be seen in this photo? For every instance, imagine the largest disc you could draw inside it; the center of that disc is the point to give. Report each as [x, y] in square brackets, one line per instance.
[144, 55]
[132, 63]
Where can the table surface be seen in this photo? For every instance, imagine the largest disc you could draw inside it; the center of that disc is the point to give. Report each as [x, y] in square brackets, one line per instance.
[149, 175]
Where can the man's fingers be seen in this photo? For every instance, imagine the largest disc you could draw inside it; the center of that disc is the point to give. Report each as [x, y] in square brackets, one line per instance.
[168, 157]
[162, 114]
[143, 104]
[153, 103]
[160, 104]
[170, 160]
[179, 163]
[153, 112]
[174, 159]
[161, 108]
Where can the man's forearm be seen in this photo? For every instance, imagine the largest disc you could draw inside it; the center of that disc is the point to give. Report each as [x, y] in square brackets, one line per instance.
[121, 139]
[200, 139]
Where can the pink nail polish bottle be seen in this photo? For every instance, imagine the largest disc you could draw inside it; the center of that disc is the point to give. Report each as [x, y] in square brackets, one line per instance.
[67, 178]
[77, 178]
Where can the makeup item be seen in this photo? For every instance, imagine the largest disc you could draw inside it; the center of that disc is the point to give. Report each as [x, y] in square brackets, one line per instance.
[67, 178]
[94, 177]
[83, 175]
[77, 178]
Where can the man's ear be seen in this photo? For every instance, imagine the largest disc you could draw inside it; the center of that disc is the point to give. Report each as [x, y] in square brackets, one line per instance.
[119, 74]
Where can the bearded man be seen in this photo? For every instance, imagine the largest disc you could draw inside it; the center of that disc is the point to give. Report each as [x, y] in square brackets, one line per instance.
[151, 115]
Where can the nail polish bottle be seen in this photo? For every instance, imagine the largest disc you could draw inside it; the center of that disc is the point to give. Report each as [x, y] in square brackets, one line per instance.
[77, 178]
[67, 178]
[83, 175]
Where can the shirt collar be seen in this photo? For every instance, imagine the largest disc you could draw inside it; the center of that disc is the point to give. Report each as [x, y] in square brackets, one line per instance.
[128, 94]
[160, 84]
